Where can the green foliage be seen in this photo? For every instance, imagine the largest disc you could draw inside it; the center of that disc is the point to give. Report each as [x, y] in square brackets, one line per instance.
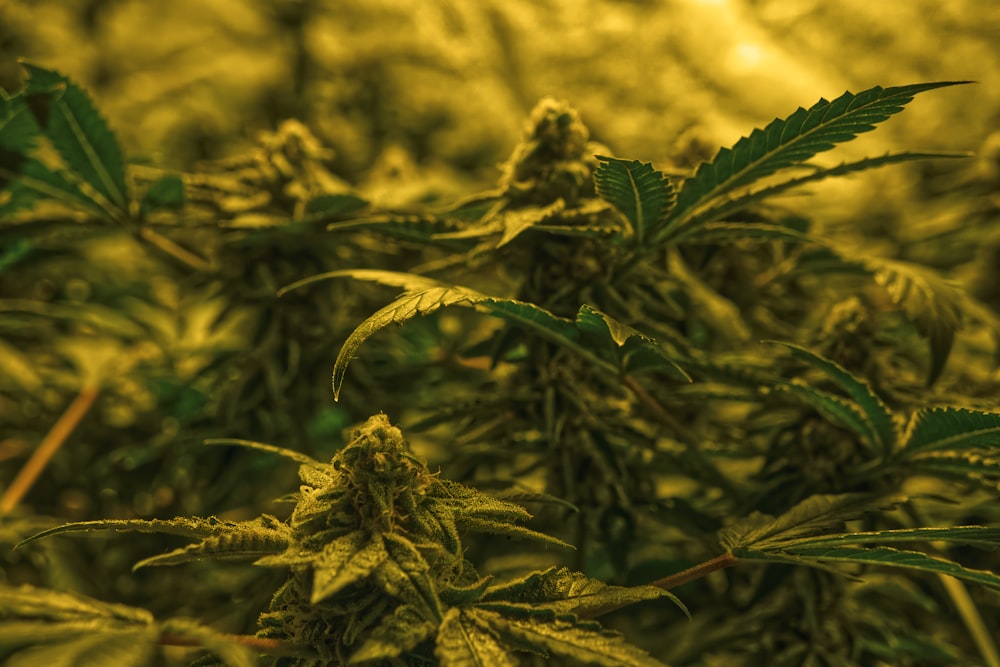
[619, 387]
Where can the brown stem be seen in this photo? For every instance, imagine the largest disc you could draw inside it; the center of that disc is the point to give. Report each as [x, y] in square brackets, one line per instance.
[176, 251]
[53, 440]
[696, 572]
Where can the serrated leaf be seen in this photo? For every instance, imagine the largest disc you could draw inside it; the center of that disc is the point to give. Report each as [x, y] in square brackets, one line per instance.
[344, 561]
[814, 515]
[636, 350]
[405, 575]
[165, 194]
[35, 181]
[727, 232]
[972, 464]
[982, 536]
[950, 429]
[242, 540]
[424, 296]
[699, 228]
[876, 413]
[791, 141]
[640, 192]
[507, 529]
[516, 221]
[399, 632]
[934, 304]
[462, 642]
[29, 602]
[837, 410]
[884, 556]
[582, 645]
[78, 132]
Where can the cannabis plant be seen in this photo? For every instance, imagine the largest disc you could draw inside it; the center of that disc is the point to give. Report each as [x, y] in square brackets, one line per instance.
[704, 394]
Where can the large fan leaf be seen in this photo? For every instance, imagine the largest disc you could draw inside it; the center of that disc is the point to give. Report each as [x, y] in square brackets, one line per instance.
[78, 132]
[951, 429]
[642, 194]
[791, 141]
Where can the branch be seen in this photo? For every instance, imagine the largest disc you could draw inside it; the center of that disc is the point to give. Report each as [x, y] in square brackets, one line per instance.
[53, 440]
[696, 572]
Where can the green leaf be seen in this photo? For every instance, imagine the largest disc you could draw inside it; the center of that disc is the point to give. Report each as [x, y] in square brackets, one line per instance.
[881, 556]
[837, 410]
[291, 454]
[29, 602]
[876, 413]
[165, 194]
[636, 350]
[462, 642]
[245, 539]
[581, 645]
[37, 182]
[697, 228]
[788, 142]
[514, 222]
[78, 133]
[406, 575]
[934, 304]
[971, 464]
[983, 536]
[640, 192]
[344, 561]
[424, 296]
[398, 633]
[815, 515]
[327, 206]
[727, 232]
[951, 429]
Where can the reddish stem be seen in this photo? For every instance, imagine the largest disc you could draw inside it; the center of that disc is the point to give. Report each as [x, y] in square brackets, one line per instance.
[696, 572]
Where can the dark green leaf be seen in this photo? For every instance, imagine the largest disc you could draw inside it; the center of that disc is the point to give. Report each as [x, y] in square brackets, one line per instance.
[344, 561]
[166, 193]
[78, 133]
[951, 429]
[462, 642]
[641, 193]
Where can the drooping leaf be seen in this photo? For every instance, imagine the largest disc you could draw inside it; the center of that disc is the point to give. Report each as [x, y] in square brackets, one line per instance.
[876, 413]
[788, 142]
[837, 410]
[640, 192]
[636, 350]
[931, 302]
[514, 222]
[424, 296]
[462, 642]
[165, 194]
[344, 561]
[78, 132]
[291, 454]
[950, 429]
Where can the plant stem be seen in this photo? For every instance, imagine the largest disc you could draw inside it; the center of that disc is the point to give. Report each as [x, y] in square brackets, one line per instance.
[53, 440]
[696, 572]
[176, 251]
[972, 618]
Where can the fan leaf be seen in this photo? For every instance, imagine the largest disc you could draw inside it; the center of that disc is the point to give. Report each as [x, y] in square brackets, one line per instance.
[791, 141]
[951, 429]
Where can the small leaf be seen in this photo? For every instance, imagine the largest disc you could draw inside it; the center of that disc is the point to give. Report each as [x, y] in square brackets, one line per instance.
[165, 194]
[951, 429]
[327, 206]
[406, 575]
[78, 133]
[461, 642]
[641, 193]
[398, 633]
[344, 561]
[514, 222]
[835, 409]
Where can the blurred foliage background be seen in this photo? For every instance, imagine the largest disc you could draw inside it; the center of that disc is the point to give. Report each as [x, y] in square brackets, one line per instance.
[418, 102]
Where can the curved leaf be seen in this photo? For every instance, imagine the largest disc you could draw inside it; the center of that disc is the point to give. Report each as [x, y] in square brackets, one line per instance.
[344, 561]
[462, 642]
